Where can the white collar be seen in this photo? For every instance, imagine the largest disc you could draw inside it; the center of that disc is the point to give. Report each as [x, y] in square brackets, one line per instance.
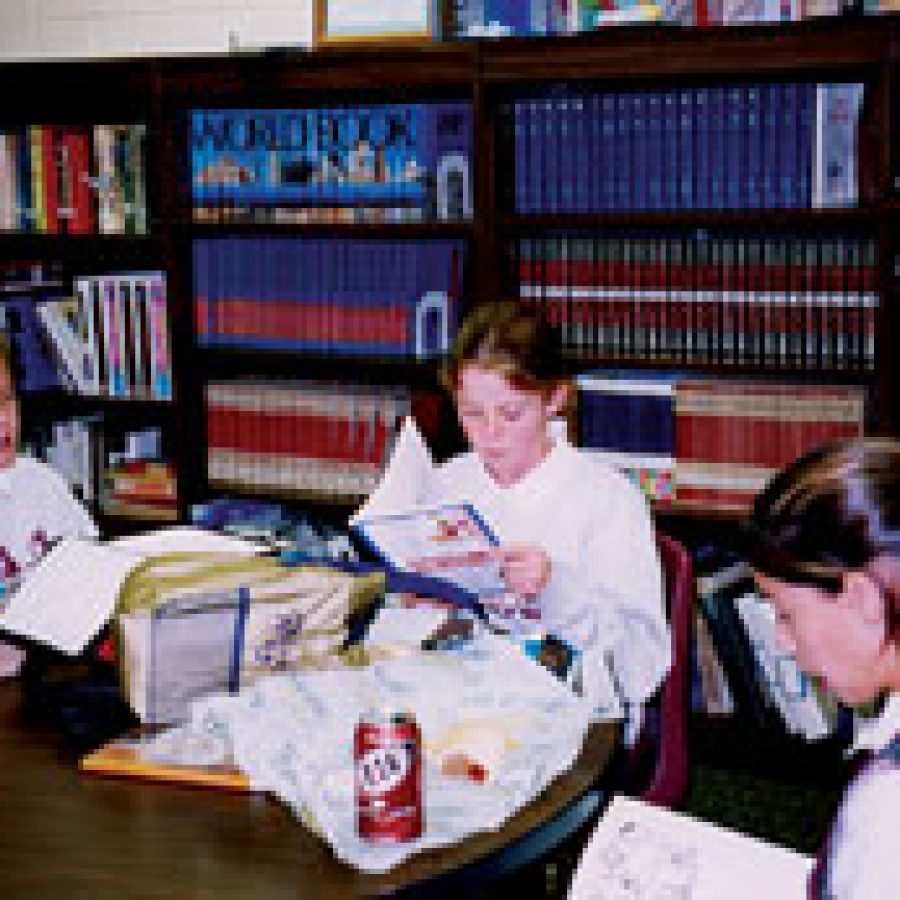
[877, 733]
[533, 478]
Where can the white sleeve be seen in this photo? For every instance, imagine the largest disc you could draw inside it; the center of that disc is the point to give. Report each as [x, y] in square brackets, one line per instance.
[611, 605]
[864, 866]
[66, 515]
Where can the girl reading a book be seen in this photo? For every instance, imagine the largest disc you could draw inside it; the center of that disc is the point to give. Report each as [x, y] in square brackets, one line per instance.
[577, 547]
[824, 541]
[36, 507]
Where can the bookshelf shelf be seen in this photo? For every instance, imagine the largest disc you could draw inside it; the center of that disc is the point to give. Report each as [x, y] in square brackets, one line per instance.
[850, 217]
[224, 361]
[318, 498]
[769, 370]
[56, 402]
[269, 77]
[387, 230]
[638, 54]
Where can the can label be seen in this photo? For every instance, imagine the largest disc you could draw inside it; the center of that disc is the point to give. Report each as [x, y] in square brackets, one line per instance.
[387, 754]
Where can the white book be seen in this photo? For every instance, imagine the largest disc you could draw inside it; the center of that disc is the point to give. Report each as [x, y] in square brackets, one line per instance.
[69, 596]
[69, 348]
[835, 176]
[643, 851]
[86, 289]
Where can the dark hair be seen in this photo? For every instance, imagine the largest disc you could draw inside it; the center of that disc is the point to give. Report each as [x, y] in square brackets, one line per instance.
[511, 337]
[834, 510]
[7, 359]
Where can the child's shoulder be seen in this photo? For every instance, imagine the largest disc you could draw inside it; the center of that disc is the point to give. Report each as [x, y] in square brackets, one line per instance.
[33, 474]
[589, 467]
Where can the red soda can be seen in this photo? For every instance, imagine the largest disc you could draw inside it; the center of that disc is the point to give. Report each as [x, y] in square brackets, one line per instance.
[387, 756]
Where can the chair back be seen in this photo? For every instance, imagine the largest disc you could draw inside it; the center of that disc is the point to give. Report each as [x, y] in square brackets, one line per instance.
[669, 780]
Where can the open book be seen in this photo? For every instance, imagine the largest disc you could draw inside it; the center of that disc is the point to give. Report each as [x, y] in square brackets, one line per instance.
[447, 540]
[643, 851]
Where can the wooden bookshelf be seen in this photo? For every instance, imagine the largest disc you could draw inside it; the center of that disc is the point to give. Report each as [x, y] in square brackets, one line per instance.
[488, 74]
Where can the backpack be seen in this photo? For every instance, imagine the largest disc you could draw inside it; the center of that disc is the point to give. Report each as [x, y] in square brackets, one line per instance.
[189, 624]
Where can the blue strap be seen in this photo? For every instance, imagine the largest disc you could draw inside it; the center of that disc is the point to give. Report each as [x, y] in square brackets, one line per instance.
[407, 582]
[237, 648]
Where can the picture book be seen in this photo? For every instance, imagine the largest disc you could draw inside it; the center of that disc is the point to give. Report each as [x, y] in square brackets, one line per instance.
[448, 541]
[643, 851]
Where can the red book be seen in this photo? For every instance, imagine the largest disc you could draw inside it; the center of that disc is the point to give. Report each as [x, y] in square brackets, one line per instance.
[50, 161]
[84, 202]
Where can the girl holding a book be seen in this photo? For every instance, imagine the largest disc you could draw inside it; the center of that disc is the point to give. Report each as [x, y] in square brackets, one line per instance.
[824, 541]
[576, 542]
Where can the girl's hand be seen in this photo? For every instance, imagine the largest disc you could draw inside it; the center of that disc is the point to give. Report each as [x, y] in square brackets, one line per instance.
[524, 568]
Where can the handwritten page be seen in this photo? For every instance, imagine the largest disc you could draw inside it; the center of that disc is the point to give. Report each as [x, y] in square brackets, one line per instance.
[69, 596]
[643, 852]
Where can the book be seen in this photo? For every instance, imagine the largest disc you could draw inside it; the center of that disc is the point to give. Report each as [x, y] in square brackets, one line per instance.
[130, 756]
[641, 850]
[448, 541]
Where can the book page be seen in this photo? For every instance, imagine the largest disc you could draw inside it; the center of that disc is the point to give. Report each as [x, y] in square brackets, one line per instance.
[69, 596]
[184, 539]
[643, 852]
[406, 477]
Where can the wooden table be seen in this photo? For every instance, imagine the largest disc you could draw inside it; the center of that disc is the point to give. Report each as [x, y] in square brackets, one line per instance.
[65, 835]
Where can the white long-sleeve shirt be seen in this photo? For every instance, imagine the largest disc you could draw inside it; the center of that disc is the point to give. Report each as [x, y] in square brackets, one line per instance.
[862, 864]
[605, 593]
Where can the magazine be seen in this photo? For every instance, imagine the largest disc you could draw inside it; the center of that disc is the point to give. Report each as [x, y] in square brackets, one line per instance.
[449, 541]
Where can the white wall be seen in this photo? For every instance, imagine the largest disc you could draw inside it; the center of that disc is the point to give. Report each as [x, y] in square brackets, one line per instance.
[43, 29]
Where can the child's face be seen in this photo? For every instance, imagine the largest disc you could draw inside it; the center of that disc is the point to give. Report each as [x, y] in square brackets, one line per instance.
[837, 638]
[9, 419]
[505, 426]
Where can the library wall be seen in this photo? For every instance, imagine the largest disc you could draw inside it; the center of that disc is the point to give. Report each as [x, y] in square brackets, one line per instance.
[51, 29]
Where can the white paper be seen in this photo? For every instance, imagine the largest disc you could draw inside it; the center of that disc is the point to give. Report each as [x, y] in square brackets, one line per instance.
[643, 851]
[405, 626]
[69, 596]
[404, 483]
[184, 539]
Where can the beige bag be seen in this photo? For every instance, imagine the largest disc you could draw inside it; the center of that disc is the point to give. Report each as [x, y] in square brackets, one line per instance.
[189, 624]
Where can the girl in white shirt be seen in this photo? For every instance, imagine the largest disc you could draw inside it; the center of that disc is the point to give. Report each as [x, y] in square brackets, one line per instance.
[576, 539]
[824, 540]
[36, 506]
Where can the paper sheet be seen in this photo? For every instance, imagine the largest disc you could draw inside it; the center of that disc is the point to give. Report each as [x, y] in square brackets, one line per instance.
[181, 539]
[405, 478]
[69, 596]
[644, 852]
[403, 626]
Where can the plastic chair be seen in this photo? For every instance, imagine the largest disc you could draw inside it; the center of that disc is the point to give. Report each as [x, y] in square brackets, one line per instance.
[666, 745]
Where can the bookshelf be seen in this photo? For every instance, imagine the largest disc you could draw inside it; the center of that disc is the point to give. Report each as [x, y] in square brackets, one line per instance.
[497, 80]
[325, 224]
[79, 209]
[743, 279]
